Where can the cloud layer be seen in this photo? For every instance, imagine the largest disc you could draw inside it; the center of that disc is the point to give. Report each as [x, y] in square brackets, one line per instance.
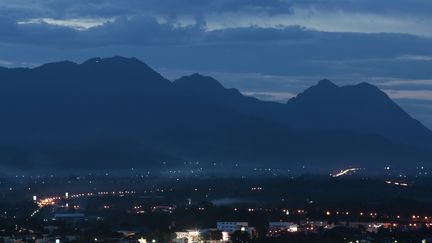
[270, 49]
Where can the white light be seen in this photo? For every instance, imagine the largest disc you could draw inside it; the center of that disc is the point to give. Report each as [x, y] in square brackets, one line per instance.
[142, 240]
[225, 236]
[293, 228]
[35, 198]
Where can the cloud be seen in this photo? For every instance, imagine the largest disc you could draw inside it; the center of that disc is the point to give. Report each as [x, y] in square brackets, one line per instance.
[106, 22]
[324, 20]
[194, 7]
[406, 84]
[77, 24]
[6, 63]
[259, 34]
[410, 82]
[415, 58]
[331, 16]
[410, 94]
[271, 96]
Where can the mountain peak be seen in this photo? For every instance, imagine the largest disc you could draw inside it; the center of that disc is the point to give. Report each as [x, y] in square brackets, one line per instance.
[326, 91]
[119, 60]
[121, 67]
[362, 107]
[197, 81]
[327, 83]
[367, 86]
[56, 66]
[321, 91]
[117, 71]
[92, 61]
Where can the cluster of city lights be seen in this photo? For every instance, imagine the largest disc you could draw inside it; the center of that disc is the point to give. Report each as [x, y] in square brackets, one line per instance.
[256, 188]
[51, 201]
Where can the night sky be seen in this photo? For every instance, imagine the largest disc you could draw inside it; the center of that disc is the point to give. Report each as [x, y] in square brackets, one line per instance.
[271, 49]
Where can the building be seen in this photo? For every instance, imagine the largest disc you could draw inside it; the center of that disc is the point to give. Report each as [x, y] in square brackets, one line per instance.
[314, 226]
[189, 236]
[231, 227]
[69, 216]
[288, 226]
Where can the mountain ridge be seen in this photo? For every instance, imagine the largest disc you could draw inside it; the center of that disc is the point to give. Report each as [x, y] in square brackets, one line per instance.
[345, 106]
[136, 116]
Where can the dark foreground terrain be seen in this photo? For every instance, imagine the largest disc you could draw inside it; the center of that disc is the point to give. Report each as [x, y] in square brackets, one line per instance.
[146, 207]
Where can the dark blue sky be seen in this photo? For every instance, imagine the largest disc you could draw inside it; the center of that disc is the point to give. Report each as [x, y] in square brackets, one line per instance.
[271, 49]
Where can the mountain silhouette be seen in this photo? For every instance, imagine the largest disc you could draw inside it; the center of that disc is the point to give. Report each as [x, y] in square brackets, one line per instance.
[361, 108]
[108, 113]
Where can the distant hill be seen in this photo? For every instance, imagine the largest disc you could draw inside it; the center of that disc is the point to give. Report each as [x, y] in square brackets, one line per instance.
[118, 112]
[361, 108]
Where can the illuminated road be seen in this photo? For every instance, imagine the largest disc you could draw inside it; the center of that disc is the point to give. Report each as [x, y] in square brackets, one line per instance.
[52, 201]
[344, 172]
